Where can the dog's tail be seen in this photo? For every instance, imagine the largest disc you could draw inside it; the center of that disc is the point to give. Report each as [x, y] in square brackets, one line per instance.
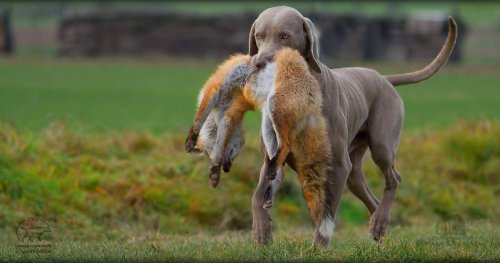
[434, 66]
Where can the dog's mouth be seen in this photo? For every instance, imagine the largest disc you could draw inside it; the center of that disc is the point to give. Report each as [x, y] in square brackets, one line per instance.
[260, 62]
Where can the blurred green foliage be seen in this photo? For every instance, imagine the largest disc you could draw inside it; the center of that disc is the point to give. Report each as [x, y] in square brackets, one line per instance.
[105, 184]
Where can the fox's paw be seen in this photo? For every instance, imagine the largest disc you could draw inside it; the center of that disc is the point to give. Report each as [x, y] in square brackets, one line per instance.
[191, 140]
[268, 197]
[226, 166]
[271, 171]
[214, 177]
[271, 174]
[190, 145]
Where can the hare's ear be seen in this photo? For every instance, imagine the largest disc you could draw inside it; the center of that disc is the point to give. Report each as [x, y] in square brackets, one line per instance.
[312, 47]
[252, 45]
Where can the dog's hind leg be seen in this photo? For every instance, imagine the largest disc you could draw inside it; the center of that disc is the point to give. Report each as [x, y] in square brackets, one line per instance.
[356, 182]
[384, 136]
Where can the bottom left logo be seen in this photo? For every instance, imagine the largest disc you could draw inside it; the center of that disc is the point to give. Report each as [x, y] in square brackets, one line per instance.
[29, 232]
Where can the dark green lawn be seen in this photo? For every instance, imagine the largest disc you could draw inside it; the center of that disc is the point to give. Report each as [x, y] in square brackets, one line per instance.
[159, 96]
[480, 242]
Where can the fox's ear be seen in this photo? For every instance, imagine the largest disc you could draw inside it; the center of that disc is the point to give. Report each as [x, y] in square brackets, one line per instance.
[252, 45]
[312, 45]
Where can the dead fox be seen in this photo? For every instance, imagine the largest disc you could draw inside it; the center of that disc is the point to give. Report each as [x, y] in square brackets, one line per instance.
[217, 129]
[292, 123]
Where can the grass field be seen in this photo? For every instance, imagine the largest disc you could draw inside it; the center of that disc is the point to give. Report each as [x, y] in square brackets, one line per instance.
[410, 244]
[95, 148]
[134, 195]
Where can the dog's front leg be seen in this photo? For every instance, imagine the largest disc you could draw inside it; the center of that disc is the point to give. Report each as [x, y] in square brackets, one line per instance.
[261, 218]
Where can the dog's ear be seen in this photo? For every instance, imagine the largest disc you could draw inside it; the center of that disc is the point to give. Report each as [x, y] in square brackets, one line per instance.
[252, 45]
[312, 47]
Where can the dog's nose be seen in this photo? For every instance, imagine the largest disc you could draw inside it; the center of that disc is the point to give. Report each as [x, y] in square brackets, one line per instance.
[261, 64]
[261, 61]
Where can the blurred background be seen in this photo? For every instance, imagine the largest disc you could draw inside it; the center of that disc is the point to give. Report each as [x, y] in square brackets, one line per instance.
[96, 98]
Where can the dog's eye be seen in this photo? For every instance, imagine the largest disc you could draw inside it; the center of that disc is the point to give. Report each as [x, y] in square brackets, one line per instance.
[284, 36]
[259, 36]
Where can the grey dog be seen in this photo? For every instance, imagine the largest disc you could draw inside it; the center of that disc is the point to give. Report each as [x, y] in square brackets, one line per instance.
[361, 106]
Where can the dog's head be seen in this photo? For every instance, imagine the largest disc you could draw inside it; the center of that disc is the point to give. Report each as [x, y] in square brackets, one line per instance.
[279, 27]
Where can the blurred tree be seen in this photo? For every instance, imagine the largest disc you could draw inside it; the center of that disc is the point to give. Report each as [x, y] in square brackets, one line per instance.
[456, 55]
[6, 38]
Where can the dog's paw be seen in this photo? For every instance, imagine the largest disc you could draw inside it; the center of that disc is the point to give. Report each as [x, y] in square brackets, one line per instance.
[378, 225]
[262, 229]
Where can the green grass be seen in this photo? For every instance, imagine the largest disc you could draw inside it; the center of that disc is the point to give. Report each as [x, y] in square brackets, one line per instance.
[115, 94]
[95, 147]
[480, 242]
[161, 96]
[136, 195]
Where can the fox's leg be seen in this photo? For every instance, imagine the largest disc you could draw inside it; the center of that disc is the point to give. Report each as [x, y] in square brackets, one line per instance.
[223, 134]
[272, 188]
[231, 116]
[206, 139]
[269, 146]
[315, 186]
[206, 106]
[228, 77]
[271, 142]
[281, 126]
[236, 142]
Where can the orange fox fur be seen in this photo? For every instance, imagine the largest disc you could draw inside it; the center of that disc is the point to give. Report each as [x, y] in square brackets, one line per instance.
[241, 102]
[295, 112]
[211, 86]
[294, 109]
